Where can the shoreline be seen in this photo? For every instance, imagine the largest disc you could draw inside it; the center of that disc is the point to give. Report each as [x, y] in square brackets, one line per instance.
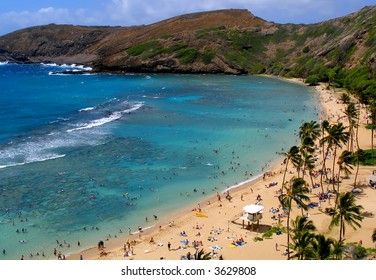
[220, 225]
[176, 216]
[182, 215]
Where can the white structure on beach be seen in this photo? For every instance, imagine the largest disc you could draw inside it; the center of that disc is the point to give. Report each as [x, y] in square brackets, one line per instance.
[252, 214]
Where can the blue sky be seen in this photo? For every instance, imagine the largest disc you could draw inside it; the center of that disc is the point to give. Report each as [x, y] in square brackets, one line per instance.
[19, 14]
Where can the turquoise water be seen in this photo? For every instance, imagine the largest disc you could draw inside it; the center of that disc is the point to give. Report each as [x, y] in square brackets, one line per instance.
[103, 152]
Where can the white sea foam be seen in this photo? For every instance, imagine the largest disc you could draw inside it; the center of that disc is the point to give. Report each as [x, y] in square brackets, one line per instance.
[86, 109]
[112, 117]
[254, 178]
[99, 122]
[4, 62]
[74, 67]
[51, 73]
[49, 64]
[43, 148]
[52, 156]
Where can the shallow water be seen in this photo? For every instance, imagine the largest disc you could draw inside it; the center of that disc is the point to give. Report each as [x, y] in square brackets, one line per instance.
[106, 151]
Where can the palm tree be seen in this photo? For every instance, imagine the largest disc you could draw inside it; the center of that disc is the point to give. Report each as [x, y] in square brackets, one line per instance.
[309, 132]
[372, 108]
[325, 126]
[309, 163]
[336, 135]
[302, 224]
[322, 248]
[344, 162]
[345, 98]
[295, 192]
[352, 114]
[302, 236]
[346, 211]
[338, 249]
[310, 129]
[357, 123]
[201, 255]
[293, 155]
[302, 246]
[306, 152]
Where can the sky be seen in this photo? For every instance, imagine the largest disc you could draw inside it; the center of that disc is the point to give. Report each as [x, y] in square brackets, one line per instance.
[18, 14]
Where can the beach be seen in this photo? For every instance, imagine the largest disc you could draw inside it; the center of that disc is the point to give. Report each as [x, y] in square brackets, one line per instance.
[217, 226]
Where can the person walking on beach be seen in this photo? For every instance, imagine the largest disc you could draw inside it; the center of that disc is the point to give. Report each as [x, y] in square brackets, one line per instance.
[169, 245]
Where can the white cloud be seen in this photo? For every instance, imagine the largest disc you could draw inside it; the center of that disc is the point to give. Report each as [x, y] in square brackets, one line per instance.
[146, 11]
[17, 20]
[143, 11]
[42, 16]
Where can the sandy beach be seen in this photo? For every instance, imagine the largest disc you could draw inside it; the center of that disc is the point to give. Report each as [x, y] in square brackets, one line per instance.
[219, 225]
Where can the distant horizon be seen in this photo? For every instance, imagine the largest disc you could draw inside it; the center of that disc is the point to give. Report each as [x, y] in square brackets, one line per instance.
[22, 14]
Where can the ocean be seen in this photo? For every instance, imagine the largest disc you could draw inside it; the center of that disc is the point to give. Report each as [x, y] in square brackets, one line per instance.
[87, 157]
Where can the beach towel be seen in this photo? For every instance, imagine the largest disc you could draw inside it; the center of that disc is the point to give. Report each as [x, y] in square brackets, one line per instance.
[198, 214]
[217, 248]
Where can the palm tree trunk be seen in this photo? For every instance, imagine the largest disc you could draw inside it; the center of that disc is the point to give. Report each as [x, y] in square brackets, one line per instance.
[372, 142]
[310, 175]
[357, 131]
[323, 170]
[357, 170]
[334, 162]
[339, 173]
[341, 229]
[326, 155]
[357, 143]
[288, 234]
[284, 175]
[350, 144]
[304, 171]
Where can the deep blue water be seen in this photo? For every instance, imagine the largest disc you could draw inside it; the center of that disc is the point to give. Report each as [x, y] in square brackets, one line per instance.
[106, 151]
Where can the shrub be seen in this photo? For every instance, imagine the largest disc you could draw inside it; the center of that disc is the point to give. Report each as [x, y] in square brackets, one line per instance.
[312, 80]
[141, 48]
[208, 56]
[306, 49]
[257, 238]
[186, 55]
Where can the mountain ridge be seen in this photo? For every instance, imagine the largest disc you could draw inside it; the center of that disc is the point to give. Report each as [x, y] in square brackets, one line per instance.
[222, 41]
